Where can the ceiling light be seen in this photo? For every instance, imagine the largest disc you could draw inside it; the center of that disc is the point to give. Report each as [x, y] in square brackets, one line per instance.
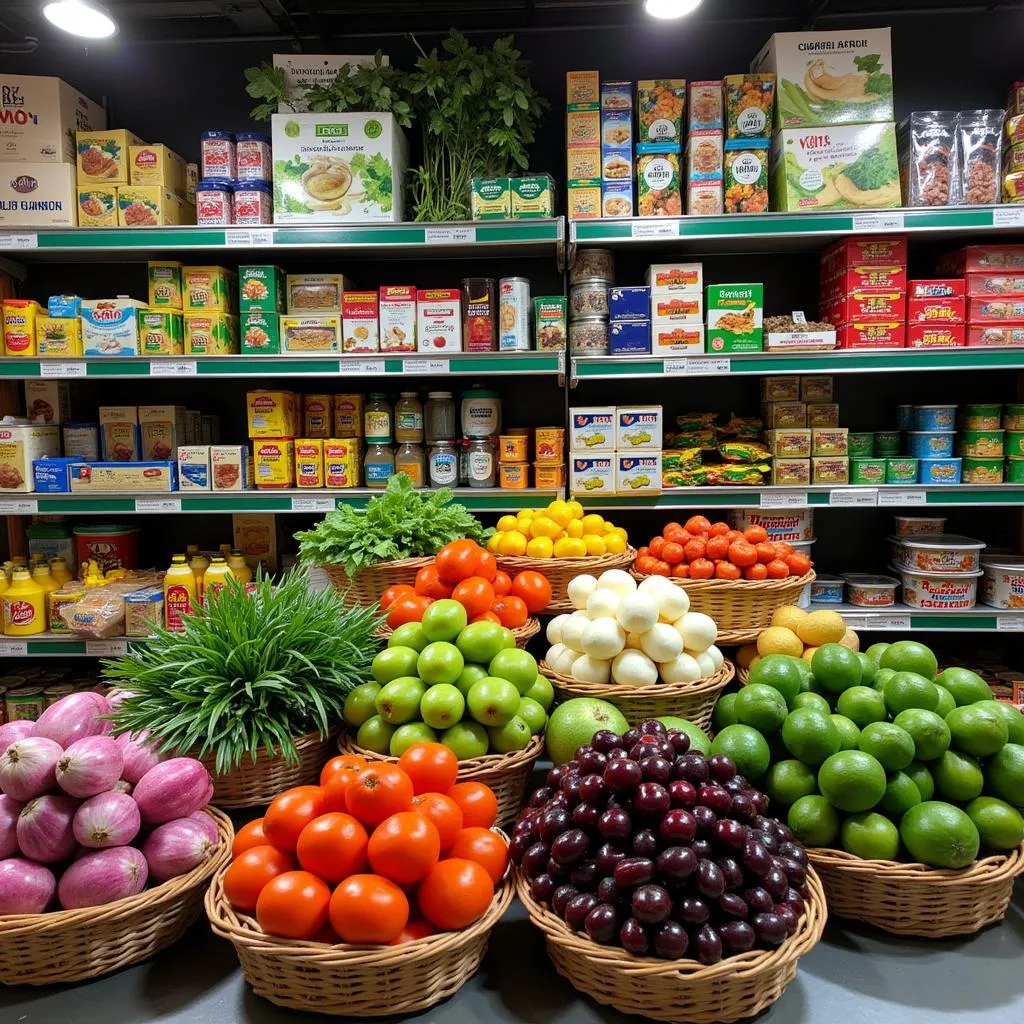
[670, 8]
[80, 17]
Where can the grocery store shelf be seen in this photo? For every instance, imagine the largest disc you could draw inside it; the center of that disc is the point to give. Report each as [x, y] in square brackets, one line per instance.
[453, 240]
[979, 619]
[846, 496]
[479, 499]
[49, 645]
[792, 232]
[412, 364]
[753, 363]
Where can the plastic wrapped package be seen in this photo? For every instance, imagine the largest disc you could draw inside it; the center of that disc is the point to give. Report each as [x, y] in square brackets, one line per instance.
[927, 148]
[100, 611]
[980, 146]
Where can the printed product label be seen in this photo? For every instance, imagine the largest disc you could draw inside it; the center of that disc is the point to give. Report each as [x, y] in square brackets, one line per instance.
[443, 469]
[658, 174]
[178, 602]
[481, 466]
[377, 471]
[746, 169]
[377, 424]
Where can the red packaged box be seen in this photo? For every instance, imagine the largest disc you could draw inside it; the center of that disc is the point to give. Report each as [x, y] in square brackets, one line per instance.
[1005, 310]
[862, 335]
[974, 258]
[856, 252]
[941, 335]
[931, 311]
[850, 279]
[995, 334]
[866, 305]
[937, 288]
[995, 284]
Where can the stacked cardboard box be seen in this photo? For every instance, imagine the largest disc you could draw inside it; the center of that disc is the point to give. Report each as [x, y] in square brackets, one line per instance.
[993, 282]
[677, 307]
[583, 144]
[615, 449]
[659, 150]
[801, 423]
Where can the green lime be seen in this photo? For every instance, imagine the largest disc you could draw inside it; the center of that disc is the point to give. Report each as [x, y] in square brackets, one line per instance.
[761, 707]
[836, 668]
[922, 778]
[868, 668]
[814, 821]
[892, 746]
[811, 700]
[901, 793]
[699, 740]
[862, 705]
[852, 780]
[977, 729]
[787, 781]
[849, 734]
[725, 712]
[1004, 774]
[939, 835]
[781, 672]
[1013, 718]
[909, 656]
[747, 747]
[928, 731]
[957, 776]
[870, 836]
[910, 690]
[882, 676]
[1000, 826]
[810, 735]
[967, 687]
[875, 652]
[946, 702]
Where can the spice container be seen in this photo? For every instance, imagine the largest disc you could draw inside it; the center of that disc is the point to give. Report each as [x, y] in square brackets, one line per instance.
[868, 591]
[411, 460]
[514, 475]
[827, 590]
[588, 298]
[593, 264]
[887, 442]
[444, 464]
[219, 156]
[514, 315]
[214, 202]
[588, 336]
[481, 413]
[253, 203]
[479, 314]
[252, 155]
[481, 463]
[439, 417]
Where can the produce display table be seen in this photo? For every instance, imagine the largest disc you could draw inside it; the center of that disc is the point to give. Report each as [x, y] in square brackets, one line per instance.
[973, 981]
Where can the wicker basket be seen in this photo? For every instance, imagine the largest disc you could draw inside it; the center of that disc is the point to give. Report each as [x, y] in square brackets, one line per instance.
[506, 774]
[369, 583]
[73, 945]
[523, 634]
[355, 981]
[256, 783]
[679, 990]
[692, 701]
[560, 571]
[912, 899]
[741, 608]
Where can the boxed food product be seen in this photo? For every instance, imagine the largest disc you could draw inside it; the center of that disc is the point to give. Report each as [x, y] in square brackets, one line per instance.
[317, 415]
[638, 427]
[830, 470]
[396, 314]
[584, 200]
[749, 105]
[97, 206]
[675, 277]
[870, 278]
[783, 414]
[161, 332]
[342, 462]
[705, 198]
[211, 334]
[348, 415]
[582, 90]
[791, 472]
[823, 414]
[1005, 310]
[951, 310]
[230, 467]
[309, 462]
[533, 196]
[865, 305]
[92, 477]
[261, 288]
[677, 307]
[638, 474]
[660, 109]
[616, 95]
[704, 156]
[670, 337]
[995, 334]
[156, 165]
[817, 389]
[147, 206]
[629, 303]
[274, 462]
[869, 250]
[359, 322]
[617, 134]
[315, 293]
[58, 336]
[39, 116]
[790, 443]
[209, 289]
[583, 128]
[979, 144]
[928, 158]
[165, 290]
[780, 389]
[110, 326]
[617, 198]
[19, 326]
[439, 320]
[974, 259]
[162, 429]
[21, 444]
[490, 199]
[583, 163]
[38, 194]
[592, 428]
[629, 337]
[980, 285]
[143, 611]
[52, 475]
[272, 414]
[746, 176]
[194, 467]
[872, 335]
[255, 535]
[734, 317]
[658, 189]
[102, 156]
[850, 166]
[592, 474]
[260, 333]
[829, 441]
[311, 333]
[47, 401]
[707, 108]
[549, 322]
[332, 168]
[830, 78]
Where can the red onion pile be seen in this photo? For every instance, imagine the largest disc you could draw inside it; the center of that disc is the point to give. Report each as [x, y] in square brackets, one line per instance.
[86, 818]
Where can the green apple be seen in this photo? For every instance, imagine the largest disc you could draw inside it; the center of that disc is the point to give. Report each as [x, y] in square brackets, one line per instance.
[399, 701]
[513, 735]
[375, 734]
[542, 692]
[444, 620]
[359, 704]
[409, 634]
[480, 641]
[470, 674]
[442, 706]
[493, 702]
[532, 714]
[508, 638]
[393, 662]
[439, 662]
[465, 740]
[408, 735]
[518, 667]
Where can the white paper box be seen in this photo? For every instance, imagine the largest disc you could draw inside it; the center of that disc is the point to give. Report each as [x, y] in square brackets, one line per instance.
[302, 70]
[39, 116]
[592, 429]
[638, 473]
[38, 195]
[591, 474]
[638, 428]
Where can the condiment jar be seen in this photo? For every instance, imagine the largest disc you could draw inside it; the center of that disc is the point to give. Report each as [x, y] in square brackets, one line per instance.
[409, 419]
[378, 465]
[377, 419]
[439, 417]
[411, 461]
[444, 464]
[482, 463]
[481, 413]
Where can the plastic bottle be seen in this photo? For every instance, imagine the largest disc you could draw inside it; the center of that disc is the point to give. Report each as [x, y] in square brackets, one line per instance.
[239, 567]
[180, 596]
[41, 574]
[24, 605]
[5, 581]
[215, 579]
[198, 564]
[60, 572]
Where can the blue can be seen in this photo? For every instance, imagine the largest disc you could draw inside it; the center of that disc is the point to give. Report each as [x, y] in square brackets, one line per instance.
[905, 417]
[827, 590]
[629, 337]
[935, 417]
[930, 444]
[632, 303]
[940, 471]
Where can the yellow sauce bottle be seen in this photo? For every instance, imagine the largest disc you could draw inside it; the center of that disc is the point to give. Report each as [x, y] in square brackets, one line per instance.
[239, 568]
[180, 597]
[24, 606]
[5, 581]
[42, 575]
[216, 579]
[198, 564]
[60, 572]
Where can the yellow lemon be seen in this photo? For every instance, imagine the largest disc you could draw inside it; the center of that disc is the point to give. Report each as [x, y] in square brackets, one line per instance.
[540, 547]
[618, 531]
[562, 534]
[543, 526]
[821, 627]
[851, 640]
[526, 513]
[512, 543]
[789, 616]
[570, 547]
[779, 640]
[576, 509]
[614, 544]
[595, 545]
[808, 654]
[574, 528]
[494, 541]
[592, 524]
[560, 512]
[745, 655]
[506, 523]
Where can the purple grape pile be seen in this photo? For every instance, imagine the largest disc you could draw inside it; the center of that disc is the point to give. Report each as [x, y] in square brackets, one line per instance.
[641, 843]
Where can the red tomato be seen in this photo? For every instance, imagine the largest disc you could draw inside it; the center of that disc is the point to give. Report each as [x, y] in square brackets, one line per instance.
[646, 565]
[680, 571]
[534, 590]
[392, 594]
[486, 617]
[289, 813]
[377, 792]
[657, 546]
[444, 812]
[293, 905]
[247, 837]
[511, 611]
[777, 570]
[250, 872]
[428, 584]
[417, 929]
[798, 563]
[697, 524]
[458, 561]
[368, 910]
[408, 608]
[718, 530]
[782, 548]
[660, 568]
[342, 764]
[485, 848]
[477, 802]
[431, 767]
[765, 552]
[333, 847]
[694, 549]
[488, 565]
[337, 776]
[643, 552]
[742, 553]
[701, 569]
[717, 547]
[502, 583]
[672, 553]
[727, 571]
[476, 595]
[404, 847]
[756, 534]
[455, 894]
[733, 535]
[757, 571]
[674, 531]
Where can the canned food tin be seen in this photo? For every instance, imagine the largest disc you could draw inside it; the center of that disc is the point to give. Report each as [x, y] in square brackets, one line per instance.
[514, 314]
[593, 263]
[513, 447]
[547, 474]
[867, 471]
[24, 703]
[930, 444]
[57, 692]
[588, 298]
[940, 471]
[982, 417]
[861, 446]
[549, 445]
[588, 336]
[934, 417]
[1015, 469]
[514, 474]
[982, 471]
[983, 444]
[905, 417]
[887, 442]
[901, 471]
[1013, 417]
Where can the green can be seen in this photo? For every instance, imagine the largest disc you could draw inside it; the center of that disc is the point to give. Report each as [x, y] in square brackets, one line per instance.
[887, 442]
[900, 470]
[1015, 470]
[982, 417]
[1013, 417]
[861, 446]
[1014, 446]
[982, 444]
[867, 471]
[982, 471]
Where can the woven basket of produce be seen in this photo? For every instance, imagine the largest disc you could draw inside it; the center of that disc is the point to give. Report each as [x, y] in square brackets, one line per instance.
[678, 990]
[560, 571]
[255, 783]
[523, 634]
[913, 899]
[355, 981]
[368, 584]
[692, 701]
[73, 945]
[506, 774]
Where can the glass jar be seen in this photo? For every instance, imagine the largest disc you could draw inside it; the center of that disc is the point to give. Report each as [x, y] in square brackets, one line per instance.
[377, 419]
[439, 417]
[411, 461]
[463, 446]
[482, 463]
[444, 464]
[409, 419]
[481, 413]
[378, 465]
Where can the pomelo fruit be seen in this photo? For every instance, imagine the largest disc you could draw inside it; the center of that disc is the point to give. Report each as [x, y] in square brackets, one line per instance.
[574, 723]
[811, 700]
[870, 836]
[852, 780]
[778, 640]
[909, 656]
[699, 739]
[967, 687]
[939, 835]
[946, 702]
[875, 651]
[782, 673]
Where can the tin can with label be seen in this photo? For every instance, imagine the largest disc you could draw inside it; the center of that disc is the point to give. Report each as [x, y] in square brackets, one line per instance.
[514, 315]
[309, 462]
[318, 414]
[479, 314]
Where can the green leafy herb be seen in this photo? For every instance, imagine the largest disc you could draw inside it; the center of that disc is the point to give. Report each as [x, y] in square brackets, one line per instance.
[870, 62]
[874, 168]
[253, 672]
[879, 84]
[265, 83]
[378, 87]
[400, 523]
[375, 173]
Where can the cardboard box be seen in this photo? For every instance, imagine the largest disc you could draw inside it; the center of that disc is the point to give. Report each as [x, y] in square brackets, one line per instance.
[817, 389]
[780, 389]
[350, 144]
[592, 474]
[110, 326]
[162, 428]
[860, 252]
[638, 428]
[209, 289]
[783, 414]
[52, 475]
[791, 472]
[21, 444]
[143, 611]
[829, 441]
[211, 334]
[255, 535]
[102, 156]
[194, 467]
[161, 332]
[58, 337]
[676, 277]
[230, 467]
[617, 199]
[47, 401]
[583, 128]
[38, 194]
[584, 200]
[360, 328]
[953, 310]
[830, 470]
[396, 318]
[822, 414]
[658, 189]
[592, 429]
[790, 443]
[629, 337]
[533, 196]
[39, 117]
[306, 334]
[156, 165]
[439, 320]
[97, 206]
[616, 95]
[93, 477]
[304, 70]
[272, 414]
[148, 206]
[261, 289]
[274, 462]
[309, 294]
[165, 290]
[490, 198]
[260, 333]
[734, 317]
[638, 473]
[582, 90]
[677, 307]
[668, 338]
[937, 288]
[936, 335]
[342, 462]
[120, 440]
[309, 462]
[858, 334]
[661, 110]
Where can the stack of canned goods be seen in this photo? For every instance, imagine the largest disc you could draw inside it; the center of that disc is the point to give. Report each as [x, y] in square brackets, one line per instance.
[236, 176]
[496, 314]
[593, 272]
[549, 457]
[24, 696]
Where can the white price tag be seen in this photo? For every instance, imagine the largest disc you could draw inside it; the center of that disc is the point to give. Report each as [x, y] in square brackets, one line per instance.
[561, 362]
[1008, 216]
[106, 648]
[699, 366]
[1010, 623]
[312, 504]
[173, 368]
[902, 497]
[425, 366]
[878, 222]
[885, 622]
[672, 366]
[240, 237]
[783, 499]
[799, 317]
[14, 649]
[19, 507]
[61, 369]
[361, 367]
[8, 241]
[158, 504]
[855, 496]
[449, 234]
[655, 229]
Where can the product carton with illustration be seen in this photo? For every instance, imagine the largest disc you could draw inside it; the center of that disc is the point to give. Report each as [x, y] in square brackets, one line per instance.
[830, 78]
[39, 116]
[847, 167]
[333, 168]
[38, 194]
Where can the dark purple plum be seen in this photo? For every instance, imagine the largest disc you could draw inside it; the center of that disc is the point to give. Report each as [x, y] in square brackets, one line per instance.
[692, 910]
[705, 819]
[651, 904]
[615, 823]
[552, 823]
[691, 767]
[784, 832]
[707, 945]
[732, 905]
[541, 796]
[577, 908]
[677, 863]
[796, 873]
[721, 768]
[645, 844]
[632, 871]
[732, 871]
[604, 740]
[542, 888]
[535, 860]
[703, 849]
[570, 846]
[607, 891]
[633, 937]
[756, 858]
[729, 834]
[651, 798]
[793, 851]
[657, 769]
[592, 763]
[710, 880]
[788, 915]
[560, 898]
[769, 929]
[776, 883]
[682, 794]
[584, 875]
[652, 727]
[796, 901]
[736, 936]
[607, 857]
[592, 789]
[602, 923]
[678, 826]
[742, 808]
[629, 737]
[556, 870]
[759, 900]
[671, 941]
[679, 740]
[622, 775]
[586, 816]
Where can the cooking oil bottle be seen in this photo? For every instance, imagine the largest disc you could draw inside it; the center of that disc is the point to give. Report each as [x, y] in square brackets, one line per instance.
[60, 572]
[24, 605]
[216, 579]
[180, 596]
[5, 580]
[42, 575]
[198, 564]
[239, 568]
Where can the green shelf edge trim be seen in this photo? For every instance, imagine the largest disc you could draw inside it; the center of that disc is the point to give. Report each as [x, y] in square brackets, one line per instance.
[980, 623]
[70, 505]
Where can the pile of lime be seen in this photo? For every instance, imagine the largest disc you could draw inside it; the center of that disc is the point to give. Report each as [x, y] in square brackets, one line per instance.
[878, 754]
[442, 680]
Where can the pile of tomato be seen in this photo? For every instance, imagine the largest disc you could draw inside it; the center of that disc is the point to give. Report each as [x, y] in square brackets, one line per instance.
[376, 854]
[465, 572]
[702, 550]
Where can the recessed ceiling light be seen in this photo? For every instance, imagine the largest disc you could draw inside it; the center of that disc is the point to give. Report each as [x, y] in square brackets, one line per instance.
[80, 17]
[670, 8]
